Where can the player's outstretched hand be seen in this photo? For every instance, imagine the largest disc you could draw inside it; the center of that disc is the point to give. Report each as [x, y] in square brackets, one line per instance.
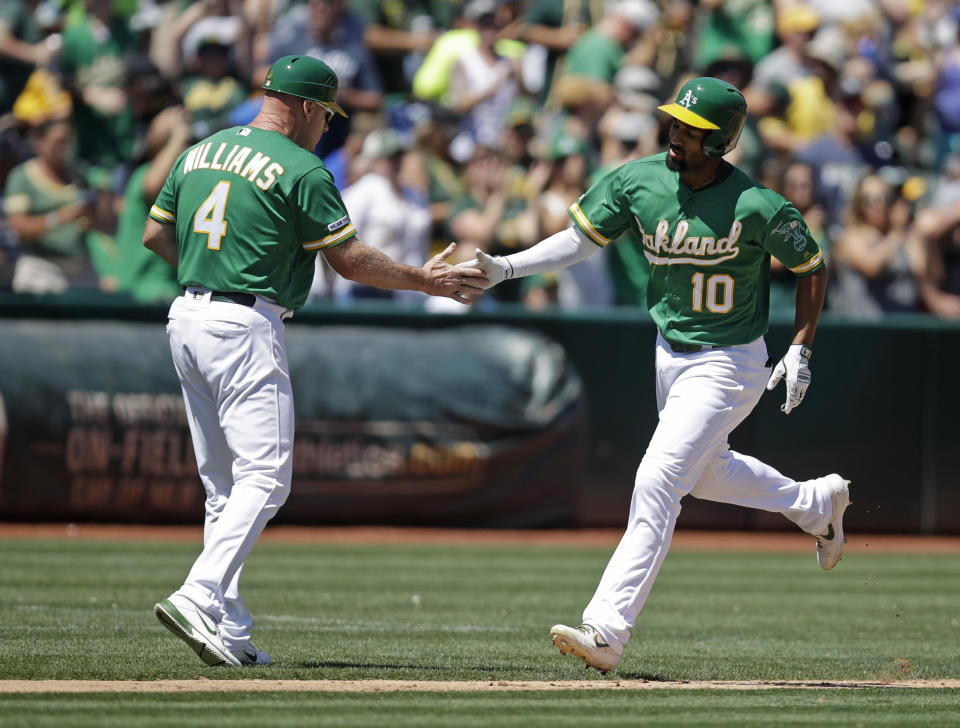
[795, 369]
[496, 268]
[464, 283]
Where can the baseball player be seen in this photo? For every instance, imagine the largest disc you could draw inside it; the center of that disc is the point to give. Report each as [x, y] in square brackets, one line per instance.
[708, 232]
[242, 216]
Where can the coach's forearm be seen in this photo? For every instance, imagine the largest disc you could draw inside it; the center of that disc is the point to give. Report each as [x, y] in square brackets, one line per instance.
[811, 291]
[357, 261]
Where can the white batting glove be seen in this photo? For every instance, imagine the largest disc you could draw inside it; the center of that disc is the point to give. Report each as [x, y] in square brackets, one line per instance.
[495, 266]
[795, 367]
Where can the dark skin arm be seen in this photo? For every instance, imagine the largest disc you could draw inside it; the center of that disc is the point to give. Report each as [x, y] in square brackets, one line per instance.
[811, 291]
[162, 240]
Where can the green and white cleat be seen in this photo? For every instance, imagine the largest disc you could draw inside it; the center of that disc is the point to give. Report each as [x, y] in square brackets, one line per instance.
[186, 621]
[587, 644]
[830, 544]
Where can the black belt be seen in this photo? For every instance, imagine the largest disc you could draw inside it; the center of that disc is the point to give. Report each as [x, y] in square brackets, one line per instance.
[244, 299]
[681, 348]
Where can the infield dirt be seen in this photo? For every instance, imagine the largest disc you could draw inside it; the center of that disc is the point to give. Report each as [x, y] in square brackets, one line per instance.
[785, 542]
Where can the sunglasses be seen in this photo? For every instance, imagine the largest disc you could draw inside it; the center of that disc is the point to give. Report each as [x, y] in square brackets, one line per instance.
[330, 112]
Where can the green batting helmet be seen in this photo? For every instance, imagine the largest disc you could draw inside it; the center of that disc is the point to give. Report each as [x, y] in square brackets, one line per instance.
[305, 77]
[709, 103]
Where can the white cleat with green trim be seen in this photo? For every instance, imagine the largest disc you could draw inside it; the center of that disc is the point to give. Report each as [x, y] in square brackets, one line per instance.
[186, 621]
[587, 644]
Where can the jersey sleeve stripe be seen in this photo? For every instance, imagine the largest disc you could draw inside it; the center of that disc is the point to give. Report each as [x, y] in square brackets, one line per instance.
[162, 215]
[809, 266]
[585, 225]
[337, 237]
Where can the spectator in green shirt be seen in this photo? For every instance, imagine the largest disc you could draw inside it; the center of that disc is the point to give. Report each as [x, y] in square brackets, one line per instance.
[93, 67]
[745, 25]
[49, 210]
[145, 276]
[592, 63]
[556, 25]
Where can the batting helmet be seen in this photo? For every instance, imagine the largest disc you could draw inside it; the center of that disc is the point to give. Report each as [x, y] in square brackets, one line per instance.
[305, 77]
[709, 103]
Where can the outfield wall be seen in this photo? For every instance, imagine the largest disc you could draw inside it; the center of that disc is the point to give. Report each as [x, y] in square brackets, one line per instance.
[882, 410]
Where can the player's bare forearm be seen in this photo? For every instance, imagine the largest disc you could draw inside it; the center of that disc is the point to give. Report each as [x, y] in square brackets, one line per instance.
[811, 291]
[359, 262]
[162, 240]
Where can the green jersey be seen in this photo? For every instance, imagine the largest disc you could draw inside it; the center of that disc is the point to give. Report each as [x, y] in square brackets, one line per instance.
[252, 209]
[93, 56]
[708, 249]
[595, 55]
[30, 192]
[144, 275]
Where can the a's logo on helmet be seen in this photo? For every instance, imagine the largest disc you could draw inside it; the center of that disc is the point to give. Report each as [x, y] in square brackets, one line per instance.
[688, 99]
[269, 77]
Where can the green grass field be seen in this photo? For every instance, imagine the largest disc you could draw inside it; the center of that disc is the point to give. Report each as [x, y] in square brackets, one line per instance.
[82, 609]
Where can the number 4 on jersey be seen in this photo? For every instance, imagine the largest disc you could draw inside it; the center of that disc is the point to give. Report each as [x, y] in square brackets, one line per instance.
[209, 218]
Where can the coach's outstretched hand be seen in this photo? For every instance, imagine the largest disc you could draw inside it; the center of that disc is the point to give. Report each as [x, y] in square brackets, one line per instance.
[463, 282]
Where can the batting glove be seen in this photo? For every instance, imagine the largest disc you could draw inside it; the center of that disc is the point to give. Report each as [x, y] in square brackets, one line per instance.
[496, 267]
[795, 367]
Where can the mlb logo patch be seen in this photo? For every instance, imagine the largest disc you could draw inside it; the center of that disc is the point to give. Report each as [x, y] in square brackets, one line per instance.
[338, 224]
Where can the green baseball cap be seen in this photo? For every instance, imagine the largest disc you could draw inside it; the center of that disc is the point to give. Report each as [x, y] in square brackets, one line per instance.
[307, 78]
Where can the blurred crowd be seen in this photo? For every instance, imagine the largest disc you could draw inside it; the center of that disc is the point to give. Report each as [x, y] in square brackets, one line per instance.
[481, 121]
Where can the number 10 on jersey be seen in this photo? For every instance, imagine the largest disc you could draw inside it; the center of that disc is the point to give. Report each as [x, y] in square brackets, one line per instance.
[209, 218]
[719, 292]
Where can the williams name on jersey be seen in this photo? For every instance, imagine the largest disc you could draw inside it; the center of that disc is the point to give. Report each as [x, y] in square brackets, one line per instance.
[259, 169]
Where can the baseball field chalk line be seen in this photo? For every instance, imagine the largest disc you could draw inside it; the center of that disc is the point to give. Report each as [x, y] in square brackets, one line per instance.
[426, 686]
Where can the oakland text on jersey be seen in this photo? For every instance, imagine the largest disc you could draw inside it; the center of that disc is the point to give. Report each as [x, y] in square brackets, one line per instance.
[259, 169]
[664, 249]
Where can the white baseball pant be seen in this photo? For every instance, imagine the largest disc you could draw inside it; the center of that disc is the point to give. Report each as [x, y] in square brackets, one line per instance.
[701, 397]
[232, 364]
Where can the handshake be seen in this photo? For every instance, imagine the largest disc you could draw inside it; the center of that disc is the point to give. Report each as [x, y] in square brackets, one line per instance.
[464, 282]
[496, 268]
[562, 249]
